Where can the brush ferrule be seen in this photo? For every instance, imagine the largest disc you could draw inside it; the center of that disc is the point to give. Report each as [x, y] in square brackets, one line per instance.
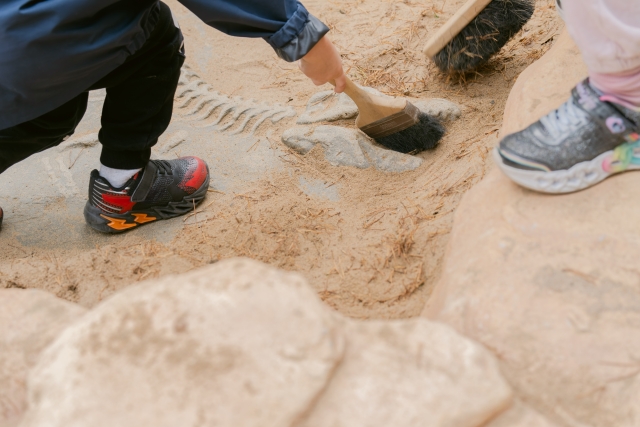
[393, 124]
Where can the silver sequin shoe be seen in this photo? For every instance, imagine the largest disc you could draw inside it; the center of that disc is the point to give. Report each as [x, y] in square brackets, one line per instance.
[589, 138]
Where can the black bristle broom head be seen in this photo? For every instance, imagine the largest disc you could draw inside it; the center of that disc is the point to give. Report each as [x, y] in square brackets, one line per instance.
[423, 135]
[484, 36]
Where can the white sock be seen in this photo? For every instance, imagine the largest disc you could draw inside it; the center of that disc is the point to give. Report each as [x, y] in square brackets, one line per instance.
[117, 177]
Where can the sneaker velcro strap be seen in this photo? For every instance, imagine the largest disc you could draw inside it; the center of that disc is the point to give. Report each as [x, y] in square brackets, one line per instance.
[148, 176]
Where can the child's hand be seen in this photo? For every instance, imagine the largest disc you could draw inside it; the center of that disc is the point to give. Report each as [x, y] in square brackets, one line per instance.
[322, 64]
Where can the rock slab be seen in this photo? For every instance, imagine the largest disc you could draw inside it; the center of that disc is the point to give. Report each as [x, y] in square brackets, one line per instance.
[327, 106]
[29, 321]
[243, 344]
[348, 147]
[551, 284]
[238, 344]
[411, 373]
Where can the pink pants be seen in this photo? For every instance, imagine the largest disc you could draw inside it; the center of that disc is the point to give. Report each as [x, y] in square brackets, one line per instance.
[607, 33]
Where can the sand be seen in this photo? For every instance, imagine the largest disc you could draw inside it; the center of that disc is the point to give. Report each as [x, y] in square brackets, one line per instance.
[372, 252]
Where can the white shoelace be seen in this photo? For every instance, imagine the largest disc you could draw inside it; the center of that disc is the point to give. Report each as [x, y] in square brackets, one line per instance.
[564, 119]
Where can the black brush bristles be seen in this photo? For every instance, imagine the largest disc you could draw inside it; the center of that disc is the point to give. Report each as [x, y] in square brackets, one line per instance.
[485, 35]
[422, 136]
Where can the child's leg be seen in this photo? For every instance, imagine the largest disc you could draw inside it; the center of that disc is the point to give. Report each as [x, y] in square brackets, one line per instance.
[624, 86]
[608, 35]
[137, 110]
[139, 101]
[21, 141]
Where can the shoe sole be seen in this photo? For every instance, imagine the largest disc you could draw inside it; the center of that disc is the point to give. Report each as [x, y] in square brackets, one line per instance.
[578, 177]
[119, 223]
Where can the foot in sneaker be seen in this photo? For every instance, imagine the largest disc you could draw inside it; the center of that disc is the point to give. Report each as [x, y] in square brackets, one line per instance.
[162, 190]
[589, 138]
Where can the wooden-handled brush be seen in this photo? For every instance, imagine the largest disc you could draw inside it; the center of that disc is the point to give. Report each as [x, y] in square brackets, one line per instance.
[476, 32]
[394, 122]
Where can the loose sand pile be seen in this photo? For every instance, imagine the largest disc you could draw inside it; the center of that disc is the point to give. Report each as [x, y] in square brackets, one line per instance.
[375, 251]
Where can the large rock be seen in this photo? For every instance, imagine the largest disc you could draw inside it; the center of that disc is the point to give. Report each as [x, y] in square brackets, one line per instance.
[551, 284]
[242, 344]
[520, 414]
[411, 373]
[238, 344]
[29, 321]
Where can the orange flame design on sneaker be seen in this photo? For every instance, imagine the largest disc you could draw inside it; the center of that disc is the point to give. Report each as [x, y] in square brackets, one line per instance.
[118, 224]
[142, 218]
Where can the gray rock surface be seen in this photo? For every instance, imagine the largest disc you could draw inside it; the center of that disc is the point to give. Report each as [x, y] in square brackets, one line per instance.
[327, 106]
[387, 160]
[341, 145]
[29, 321]
[243, 344]
[348, 147]
[440, 108]
[300, 139]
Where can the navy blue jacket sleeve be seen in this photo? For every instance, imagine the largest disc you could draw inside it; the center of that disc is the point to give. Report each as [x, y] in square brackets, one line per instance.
[285, 24]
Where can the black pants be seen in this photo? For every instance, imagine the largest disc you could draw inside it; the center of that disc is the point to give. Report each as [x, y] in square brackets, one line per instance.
[136, 111]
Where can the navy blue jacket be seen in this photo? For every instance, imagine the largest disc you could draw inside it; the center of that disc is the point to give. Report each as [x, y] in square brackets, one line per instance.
[53, 50]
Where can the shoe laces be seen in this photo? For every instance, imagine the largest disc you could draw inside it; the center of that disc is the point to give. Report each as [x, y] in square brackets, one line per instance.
[164, 167]
[565, 118]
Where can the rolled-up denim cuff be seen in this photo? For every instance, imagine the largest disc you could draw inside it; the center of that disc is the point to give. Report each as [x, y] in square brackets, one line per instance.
[310, 35]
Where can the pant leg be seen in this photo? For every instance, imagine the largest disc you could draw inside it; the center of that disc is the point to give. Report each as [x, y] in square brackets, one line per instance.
[139, 101]
[624, 86]
[49, 130]
[137, 109]
[607, 33]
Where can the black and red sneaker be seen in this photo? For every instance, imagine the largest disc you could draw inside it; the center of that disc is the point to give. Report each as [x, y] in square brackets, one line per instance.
[163, 189]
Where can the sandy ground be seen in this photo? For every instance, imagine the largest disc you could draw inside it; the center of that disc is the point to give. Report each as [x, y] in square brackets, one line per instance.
[371, 252]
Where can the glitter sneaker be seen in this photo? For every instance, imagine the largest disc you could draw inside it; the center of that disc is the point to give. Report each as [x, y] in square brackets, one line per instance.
[589, 138]
[162, 190]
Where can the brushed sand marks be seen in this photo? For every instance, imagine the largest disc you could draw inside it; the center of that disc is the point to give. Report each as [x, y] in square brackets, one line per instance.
[197, 102]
